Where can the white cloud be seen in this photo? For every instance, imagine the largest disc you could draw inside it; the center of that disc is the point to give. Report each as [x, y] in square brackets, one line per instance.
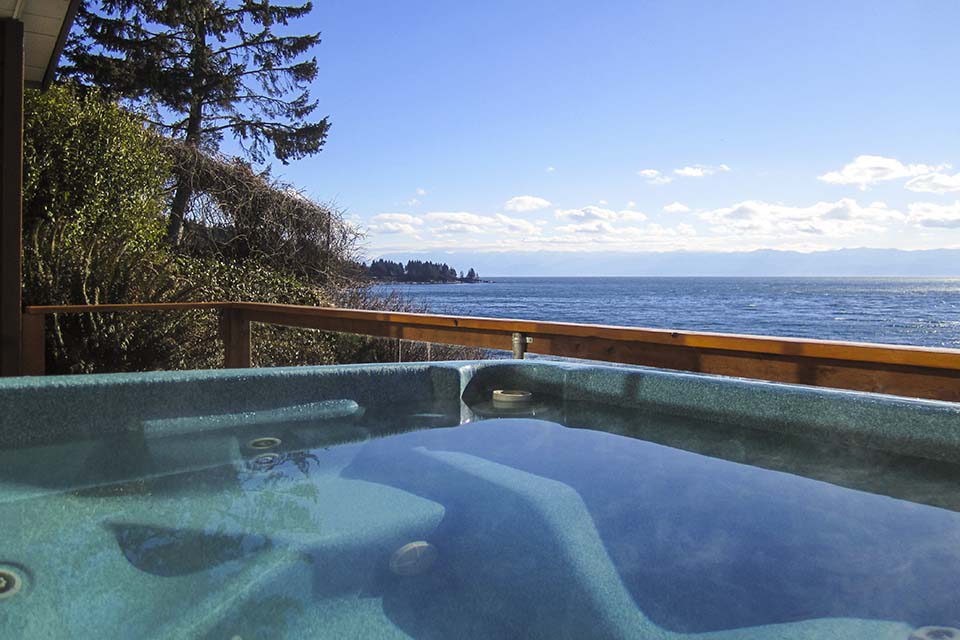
[551, 169]
[590, 212]
[833, 219]
[574, 236]
[934, 183]
[632, 216]
[396, 218]
[395, 223]
[592, 227]
[414, 201]
[928, 214]
[457, 227]
[654, 176]
[655, 229]
[866, 170]
[744, 225]
[517, 225]
[700, 170]
[676, 207]
[601, 232]
[393, 227]
[466, 222]
[522, 204]
[457, 217]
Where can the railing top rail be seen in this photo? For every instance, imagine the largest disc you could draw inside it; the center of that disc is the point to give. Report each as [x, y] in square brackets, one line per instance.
[824, 349]
[941, 358]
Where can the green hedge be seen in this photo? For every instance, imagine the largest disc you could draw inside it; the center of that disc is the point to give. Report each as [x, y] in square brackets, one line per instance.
[97, 186]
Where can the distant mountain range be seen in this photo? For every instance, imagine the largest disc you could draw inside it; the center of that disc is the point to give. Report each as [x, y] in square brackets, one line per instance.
[841, 262]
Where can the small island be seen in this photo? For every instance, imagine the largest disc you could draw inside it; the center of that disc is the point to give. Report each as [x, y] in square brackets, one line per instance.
[418, 271]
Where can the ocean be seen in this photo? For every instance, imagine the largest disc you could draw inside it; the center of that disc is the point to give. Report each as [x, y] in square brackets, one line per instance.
[912, 311]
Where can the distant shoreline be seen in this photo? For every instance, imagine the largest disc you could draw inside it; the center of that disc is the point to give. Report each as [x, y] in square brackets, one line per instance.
[433, 281]
[493, 279]
[858, 263]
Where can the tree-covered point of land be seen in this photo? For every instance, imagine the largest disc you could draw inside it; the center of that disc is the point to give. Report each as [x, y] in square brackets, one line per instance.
[201, 69]
[425, 271]
[386, 270]
[417, 271]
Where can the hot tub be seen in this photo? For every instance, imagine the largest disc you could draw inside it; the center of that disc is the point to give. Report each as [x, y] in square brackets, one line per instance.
[405, 501]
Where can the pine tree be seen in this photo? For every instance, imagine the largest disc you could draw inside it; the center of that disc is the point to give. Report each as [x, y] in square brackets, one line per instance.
[199, 69]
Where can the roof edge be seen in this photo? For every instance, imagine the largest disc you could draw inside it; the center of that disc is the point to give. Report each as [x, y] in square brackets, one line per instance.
[58, 47]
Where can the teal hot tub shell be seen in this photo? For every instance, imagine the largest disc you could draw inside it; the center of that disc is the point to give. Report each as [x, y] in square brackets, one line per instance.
[617, 503]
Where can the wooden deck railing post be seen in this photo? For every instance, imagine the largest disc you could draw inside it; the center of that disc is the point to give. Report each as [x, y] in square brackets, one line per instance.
[11, 196]
[235, 333]
[33, 347]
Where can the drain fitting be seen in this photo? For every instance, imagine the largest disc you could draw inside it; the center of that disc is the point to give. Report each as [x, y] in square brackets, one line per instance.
[10, 583]
[511, 398]
[267, 442]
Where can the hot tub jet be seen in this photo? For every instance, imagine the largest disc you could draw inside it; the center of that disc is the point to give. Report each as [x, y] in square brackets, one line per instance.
[10, 583]
[413, 558]
[266, 442]
[265, 461]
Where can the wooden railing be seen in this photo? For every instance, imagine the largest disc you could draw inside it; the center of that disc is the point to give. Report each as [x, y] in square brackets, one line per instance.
[899, 370]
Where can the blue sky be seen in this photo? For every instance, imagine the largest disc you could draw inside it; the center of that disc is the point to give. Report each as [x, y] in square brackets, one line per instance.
[538, 126]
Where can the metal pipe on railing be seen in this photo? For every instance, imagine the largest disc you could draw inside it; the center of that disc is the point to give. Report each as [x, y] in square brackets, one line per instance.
[520, 342]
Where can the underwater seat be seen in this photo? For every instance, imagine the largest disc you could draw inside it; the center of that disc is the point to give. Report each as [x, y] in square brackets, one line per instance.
[198, 442]
[553, 580]
[599, 606]
[182, 564]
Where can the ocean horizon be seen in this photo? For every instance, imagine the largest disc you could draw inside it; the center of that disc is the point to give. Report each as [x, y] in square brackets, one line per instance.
[894, 310]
